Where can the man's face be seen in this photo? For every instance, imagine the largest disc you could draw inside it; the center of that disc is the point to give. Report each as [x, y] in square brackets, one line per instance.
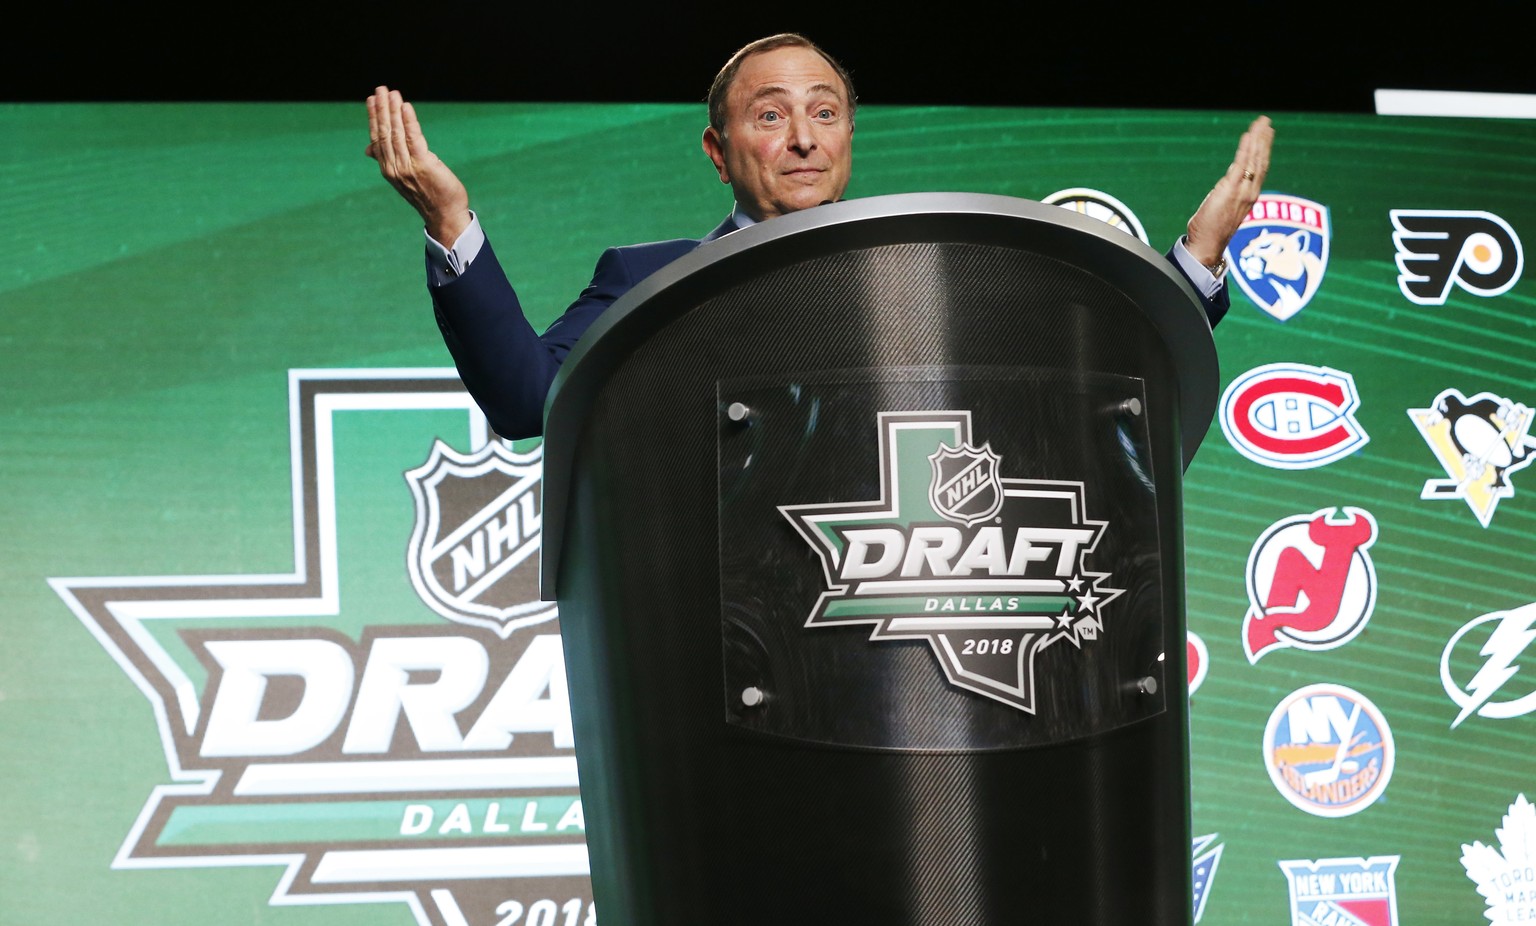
[788, 142]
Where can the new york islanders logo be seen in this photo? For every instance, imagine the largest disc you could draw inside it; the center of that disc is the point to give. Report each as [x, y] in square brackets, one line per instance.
[1328, 750]
[1476, 251]
[1481, 661]
[474, 554]
[1292, 415]
[1280, 253]
[1480, 442]
[1343, 891]
[1311, 582]
[988, 570]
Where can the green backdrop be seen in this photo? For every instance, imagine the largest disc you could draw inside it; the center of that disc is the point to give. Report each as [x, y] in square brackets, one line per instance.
[214, 316]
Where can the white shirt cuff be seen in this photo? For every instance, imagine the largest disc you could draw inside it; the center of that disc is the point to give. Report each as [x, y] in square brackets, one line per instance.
[447, 263]
[1199, 274]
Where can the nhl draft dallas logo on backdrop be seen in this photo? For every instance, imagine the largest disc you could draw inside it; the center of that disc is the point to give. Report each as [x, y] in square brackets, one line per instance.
[330, 723]
[1343, 891]
[1280, 253]
[989, 570]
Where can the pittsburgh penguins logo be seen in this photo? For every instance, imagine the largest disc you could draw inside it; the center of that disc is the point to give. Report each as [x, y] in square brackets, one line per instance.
[1477, 251]
[1479, 441]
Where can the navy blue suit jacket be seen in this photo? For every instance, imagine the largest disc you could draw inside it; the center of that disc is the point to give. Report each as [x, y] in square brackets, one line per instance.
[508, 367]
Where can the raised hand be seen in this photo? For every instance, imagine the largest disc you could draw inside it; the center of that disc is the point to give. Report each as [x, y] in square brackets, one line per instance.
[397, 143]
[1228, 203]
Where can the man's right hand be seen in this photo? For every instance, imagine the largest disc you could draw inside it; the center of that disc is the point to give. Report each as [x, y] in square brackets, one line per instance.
[396, 142]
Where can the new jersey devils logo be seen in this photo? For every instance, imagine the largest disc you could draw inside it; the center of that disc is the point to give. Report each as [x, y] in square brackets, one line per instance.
[1311, 582]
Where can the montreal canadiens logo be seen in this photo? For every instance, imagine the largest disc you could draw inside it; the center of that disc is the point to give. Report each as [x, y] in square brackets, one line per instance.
[1311, 582]
[1292, 415]
[474, 553]
[1328, 750]
[1280, 253]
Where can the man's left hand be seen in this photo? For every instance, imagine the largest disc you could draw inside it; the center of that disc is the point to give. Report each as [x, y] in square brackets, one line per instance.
[1225, 207]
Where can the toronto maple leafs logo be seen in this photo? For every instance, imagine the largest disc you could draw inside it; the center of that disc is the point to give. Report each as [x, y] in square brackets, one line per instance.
[1503, 874]
[988, 570]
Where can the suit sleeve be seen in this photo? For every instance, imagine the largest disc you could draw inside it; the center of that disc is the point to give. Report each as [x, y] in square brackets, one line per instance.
[507, 366]
[1215, 306]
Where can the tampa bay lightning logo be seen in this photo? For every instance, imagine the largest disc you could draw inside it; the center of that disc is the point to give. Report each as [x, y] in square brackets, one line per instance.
[1280, 252]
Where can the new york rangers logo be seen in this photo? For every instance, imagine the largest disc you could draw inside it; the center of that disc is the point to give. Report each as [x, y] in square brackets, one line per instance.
[1343, 891]
[1292, 415]
[1311, 582]
[1280, 252]
[1479, 442]
[989, 571]
[1476, 251]
[1328, 750]
[965, 486]
[473, 555]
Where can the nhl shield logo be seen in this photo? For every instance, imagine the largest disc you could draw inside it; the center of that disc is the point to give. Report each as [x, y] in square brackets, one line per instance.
[1280, 252]
[965, 488]
[474, 554]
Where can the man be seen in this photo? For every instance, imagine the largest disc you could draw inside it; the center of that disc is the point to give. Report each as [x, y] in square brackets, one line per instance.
[781, 135]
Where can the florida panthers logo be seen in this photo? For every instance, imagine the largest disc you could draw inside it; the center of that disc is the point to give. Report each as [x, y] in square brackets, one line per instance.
[1311, 582]
[1280, 252]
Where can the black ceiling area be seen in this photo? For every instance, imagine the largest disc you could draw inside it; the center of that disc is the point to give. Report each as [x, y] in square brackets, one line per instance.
[1249, 57]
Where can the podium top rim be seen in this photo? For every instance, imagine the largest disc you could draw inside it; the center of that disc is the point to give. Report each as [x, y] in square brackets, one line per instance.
[1181, 320]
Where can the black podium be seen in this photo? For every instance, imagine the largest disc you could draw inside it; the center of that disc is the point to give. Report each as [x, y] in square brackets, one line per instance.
[865, 529]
